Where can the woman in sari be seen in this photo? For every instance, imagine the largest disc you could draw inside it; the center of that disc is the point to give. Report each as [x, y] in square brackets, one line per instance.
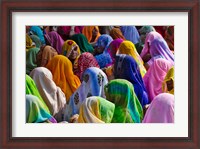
[85, 61]
[54, 40]
[37, 30]
[72, 51]
[50, 93]
[31, 89]
[63, 75]
[128, 48]
[83, 43]
[126, 67]
[45, 54]
[154, 77]
[169, 37]
[161, 109]
[127, 106]
[35, 111]
[91, 33]
[168, 83]
[130, 33]
[31, 60]
[36, 40]
[96, 110]
[94, 80]
[29, 43]
[116, 33]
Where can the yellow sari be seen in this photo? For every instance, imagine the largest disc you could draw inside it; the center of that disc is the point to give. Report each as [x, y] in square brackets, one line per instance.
[169, 76]
[128, 48]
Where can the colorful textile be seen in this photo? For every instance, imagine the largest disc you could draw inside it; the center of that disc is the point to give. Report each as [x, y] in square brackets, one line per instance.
[161, 109]
[31, 61]
[104, 41]
[55, 40]
[45, 55]
[155, 76]
[169, 37]
[85, 61]
[169, 77]
[126, 67]
[36, 30]
[35, 111]
[50, 93]
[31, 89]
[96, 110]
[128, 48]
[36, 40]
[94, 80]
[83, 43]
[149, 38]
[116, 33]
[144, 30]
[63, 75]
[130, 33]
[127, 106]
[88, 31]
[29, 43]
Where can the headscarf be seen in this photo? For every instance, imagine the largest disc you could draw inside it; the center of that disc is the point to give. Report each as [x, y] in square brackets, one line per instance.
[104, 40]
[55, 41]
[31, 89]
[116, 33]
[168, 77]
[161, 109]
[31, 61]
[155, 76]
[130, 33]
[83, 43]
[126, 67]
[127, 106]
[159, 47]
[36, 40]
[35, 111]
[51, 94]
[96, 110]
[149, 38]
[144, 30]
[113, 48]
[87, 31]
[45, 55]
[36, 30]
[94, 80]
[29, 43]
[67, 48]
[85, 61]
[62, 71]
[128, 48]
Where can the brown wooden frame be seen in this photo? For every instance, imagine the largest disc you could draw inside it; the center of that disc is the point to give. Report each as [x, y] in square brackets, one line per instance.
[9, 6]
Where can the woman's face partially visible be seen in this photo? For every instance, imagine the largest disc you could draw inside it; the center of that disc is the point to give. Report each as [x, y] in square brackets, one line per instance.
[74, 53]
[94, 32]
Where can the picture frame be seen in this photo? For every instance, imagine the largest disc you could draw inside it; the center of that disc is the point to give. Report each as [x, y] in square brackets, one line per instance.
[9, 6]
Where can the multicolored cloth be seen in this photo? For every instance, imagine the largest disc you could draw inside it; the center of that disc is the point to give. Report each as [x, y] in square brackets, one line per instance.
[36, 30]
[83, 43]
[31, 89]
[125, 67]
[94, 80]
[29, 43]
[130, 33]
[50, 93]
[127, 106]
[31, 60]
[87, 31]
[85, 61]
[55, 40]
[128, 48]
[104, 41]
[169, 37]
[45, 55]
[116, 33]
[35, 111]
[96, 110]
[161, 109]
[155, 75]
[63, 75]
[168, 77]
